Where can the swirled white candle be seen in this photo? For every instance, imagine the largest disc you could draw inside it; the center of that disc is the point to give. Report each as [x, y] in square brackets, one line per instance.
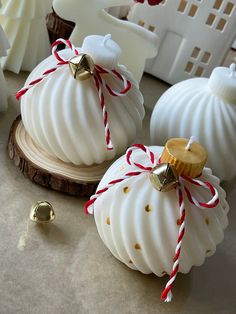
[205, 108]
[68, 118]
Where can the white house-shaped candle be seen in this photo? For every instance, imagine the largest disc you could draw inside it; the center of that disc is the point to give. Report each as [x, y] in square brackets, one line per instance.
[195, 35]
[90, 17]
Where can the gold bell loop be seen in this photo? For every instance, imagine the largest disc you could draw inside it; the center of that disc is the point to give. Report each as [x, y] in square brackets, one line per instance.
[82, 67]
[164, 177]
[42, 212]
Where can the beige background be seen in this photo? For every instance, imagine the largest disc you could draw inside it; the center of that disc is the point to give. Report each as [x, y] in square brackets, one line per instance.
[65, 267]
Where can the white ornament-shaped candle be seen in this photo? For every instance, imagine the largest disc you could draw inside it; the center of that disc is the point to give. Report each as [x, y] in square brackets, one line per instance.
[136, 42]
[145, 228]
[205, 108]
[78, 121]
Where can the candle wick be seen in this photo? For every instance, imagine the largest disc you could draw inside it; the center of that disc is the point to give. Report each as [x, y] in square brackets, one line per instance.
[232, 68]
[106, 38]
[190, 142]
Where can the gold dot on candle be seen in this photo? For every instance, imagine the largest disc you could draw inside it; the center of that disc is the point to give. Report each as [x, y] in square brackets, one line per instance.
[126, 189]
[108, 221]
[207, 221]
[178, 222]
[137, 246]
[148, 208]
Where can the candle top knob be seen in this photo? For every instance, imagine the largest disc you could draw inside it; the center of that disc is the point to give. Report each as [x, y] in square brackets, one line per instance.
[222, 83]
[186, 156]
[103, 50]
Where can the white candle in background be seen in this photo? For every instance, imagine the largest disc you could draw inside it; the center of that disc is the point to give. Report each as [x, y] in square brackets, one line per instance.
[137, 43]
[24, 24]
[205, 108]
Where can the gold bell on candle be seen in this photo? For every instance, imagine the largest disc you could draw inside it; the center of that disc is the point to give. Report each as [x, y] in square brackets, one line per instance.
[164, 177]
[82, 67]
[42, 212]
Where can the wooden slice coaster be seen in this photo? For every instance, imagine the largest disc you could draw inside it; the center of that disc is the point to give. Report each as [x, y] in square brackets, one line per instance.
[48, 171]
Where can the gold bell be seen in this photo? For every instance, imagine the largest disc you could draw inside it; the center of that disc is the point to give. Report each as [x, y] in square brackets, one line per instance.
[82, 67]
[42, 212]
[164, 177]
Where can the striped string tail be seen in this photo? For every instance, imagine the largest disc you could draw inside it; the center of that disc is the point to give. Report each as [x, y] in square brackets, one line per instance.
[101, 86]
[137, 169]
[212, 203]
[100, 83]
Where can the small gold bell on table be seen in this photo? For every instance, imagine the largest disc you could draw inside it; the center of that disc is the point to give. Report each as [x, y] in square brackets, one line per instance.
[82, 67]
[164, 177]
[42, 212]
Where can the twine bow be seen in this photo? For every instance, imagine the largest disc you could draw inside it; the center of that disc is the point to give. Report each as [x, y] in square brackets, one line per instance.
[181, 189]
[100, 83]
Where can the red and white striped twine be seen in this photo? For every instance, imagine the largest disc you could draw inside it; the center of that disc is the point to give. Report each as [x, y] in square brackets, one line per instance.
[138, 169]
[99, 82]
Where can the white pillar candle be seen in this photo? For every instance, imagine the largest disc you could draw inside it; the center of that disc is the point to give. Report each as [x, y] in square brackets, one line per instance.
[103, 50]
[90, 17]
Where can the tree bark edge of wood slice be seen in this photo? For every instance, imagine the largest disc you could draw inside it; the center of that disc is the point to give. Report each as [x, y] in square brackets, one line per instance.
[68, 182]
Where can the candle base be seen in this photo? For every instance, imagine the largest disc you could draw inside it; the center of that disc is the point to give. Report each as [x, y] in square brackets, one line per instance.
[48, 171]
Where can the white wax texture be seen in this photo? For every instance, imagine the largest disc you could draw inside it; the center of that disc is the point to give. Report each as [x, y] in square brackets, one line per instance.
[103, 50]
[133, 212]
[222, 82]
